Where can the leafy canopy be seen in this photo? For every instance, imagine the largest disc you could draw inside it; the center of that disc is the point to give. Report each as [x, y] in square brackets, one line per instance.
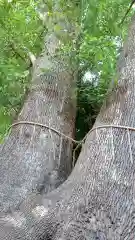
[21, 32]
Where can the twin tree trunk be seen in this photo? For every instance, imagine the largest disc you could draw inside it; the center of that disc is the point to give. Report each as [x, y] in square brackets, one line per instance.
[97, 201]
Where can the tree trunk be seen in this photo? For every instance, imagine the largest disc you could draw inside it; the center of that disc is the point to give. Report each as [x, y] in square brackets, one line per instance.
[34, 158]
[97, 201]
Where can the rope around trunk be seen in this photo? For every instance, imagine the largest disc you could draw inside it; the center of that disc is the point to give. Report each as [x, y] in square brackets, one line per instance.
[79, 143]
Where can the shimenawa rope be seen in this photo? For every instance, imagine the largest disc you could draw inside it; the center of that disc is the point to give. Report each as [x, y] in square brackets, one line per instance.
[79, 143]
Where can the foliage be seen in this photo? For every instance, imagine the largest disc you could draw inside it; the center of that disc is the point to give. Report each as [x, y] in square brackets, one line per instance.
[21, 32]
[102, 38]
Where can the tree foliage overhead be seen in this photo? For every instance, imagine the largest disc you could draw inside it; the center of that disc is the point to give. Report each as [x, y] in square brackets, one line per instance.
[21, 33]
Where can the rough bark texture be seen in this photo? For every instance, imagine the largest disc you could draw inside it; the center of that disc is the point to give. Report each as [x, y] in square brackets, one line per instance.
[35, 159]
[98, 199]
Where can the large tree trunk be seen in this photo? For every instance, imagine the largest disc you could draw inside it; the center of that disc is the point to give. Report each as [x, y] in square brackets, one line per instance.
[34, 158]
[98, 199]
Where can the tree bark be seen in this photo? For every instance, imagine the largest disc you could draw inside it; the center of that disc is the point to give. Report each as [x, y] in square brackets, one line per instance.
[97, 201]
[37, 159]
